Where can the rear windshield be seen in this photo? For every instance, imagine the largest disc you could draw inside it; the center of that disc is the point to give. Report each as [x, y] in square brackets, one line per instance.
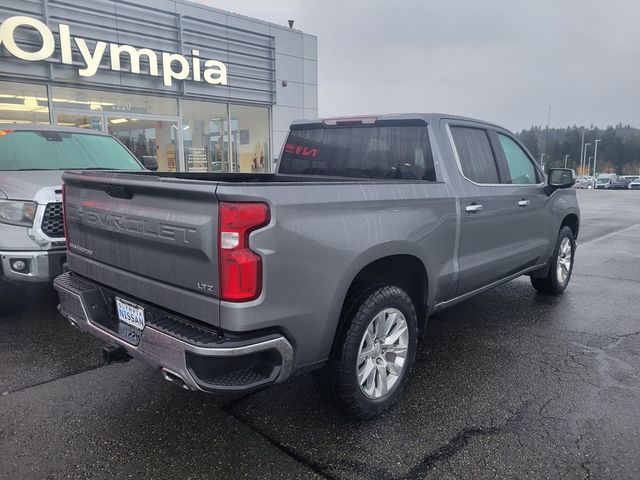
[54, 150]
[391, 152]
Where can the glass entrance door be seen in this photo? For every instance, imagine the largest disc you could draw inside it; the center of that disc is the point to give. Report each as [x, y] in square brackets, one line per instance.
[156, 137]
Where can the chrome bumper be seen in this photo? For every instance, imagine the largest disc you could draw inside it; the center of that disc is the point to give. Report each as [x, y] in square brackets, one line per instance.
[174, 356]
[43, 265]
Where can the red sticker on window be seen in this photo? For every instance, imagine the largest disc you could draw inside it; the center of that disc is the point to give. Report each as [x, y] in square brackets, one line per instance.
[300, 150]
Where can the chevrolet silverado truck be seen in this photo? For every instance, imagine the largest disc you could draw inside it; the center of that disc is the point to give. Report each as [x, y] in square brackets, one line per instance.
[32, 160]
[232, 282]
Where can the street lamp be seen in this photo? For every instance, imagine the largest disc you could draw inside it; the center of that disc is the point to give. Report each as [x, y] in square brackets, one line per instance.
[589, 166]
[566, 157]
[595, 157]
[542, 155]
[584, 157]
[581, 150]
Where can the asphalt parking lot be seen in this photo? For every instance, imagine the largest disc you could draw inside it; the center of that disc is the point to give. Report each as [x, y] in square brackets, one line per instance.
[510, 384]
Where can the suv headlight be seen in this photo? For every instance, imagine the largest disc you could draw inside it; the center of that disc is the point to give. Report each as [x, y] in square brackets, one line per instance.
[16, 212]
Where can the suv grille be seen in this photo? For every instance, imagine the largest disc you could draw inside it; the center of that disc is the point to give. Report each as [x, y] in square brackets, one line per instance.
[52, 222]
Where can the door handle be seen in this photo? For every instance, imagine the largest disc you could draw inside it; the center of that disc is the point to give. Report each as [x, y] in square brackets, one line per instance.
[473, 208]
[524, 203]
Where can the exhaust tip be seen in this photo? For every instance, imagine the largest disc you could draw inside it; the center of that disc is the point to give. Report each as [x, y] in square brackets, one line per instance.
[169, 376]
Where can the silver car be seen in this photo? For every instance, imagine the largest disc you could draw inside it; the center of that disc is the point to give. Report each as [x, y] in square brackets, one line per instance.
[32, 159]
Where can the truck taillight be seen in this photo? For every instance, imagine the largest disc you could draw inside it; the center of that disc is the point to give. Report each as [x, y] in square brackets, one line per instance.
[240, 267]
[64, 215]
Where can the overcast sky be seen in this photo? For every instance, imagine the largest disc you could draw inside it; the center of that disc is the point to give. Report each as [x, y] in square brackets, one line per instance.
[505, 61]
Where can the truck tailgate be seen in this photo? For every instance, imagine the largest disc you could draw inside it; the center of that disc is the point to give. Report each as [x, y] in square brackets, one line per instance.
[149, 237]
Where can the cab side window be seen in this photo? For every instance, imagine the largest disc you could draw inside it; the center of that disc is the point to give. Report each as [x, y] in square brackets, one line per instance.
[476, 156]
[521, 170]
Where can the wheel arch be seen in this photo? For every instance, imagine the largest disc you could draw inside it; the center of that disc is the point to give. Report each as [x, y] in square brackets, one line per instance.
[572, 221]
[384, 263]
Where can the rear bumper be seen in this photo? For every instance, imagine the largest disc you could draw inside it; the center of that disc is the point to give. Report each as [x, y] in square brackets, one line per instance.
[191, 355]
[41, 265]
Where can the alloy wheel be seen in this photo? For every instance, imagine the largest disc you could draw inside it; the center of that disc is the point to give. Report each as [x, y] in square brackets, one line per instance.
[382, 354]
[565, 258]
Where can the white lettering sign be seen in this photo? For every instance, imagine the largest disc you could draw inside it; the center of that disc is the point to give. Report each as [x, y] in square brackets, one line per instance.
[174, 66]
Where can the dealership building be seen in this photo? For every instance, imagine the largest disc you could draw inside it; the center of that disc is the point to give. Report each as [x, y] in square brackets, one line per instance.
[199, 88]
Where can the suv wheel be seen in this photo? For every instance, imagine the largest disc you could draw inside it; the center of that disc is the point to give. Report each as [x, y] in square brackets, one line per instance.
[561, 265]
[373, 354]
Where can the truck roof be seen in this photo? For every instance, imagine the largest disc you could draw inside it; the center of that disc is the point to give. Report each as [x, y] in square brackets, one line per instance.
[41, 126]
[426, 117]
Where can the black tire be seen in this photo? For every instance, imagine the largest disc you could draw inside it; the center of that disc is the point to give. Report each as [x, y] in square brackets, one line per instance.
[552, 283]
[338, 380]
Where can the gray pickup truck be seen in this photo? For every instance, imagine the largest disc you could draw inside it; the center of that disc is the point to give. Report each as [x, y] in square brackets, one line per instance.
[232, 282]
[32, 159]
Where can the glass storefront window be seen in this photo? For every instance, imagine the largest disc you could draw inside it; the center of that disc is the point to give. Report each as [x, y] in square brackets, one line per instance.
[154, 138]
[82, 120]
[205, 136]
[250, 139]
[124, 104]
[23, 103]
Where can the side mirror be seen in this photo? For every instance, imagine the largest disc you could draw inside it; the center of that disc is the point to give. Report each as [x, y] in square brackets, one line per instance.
[150, 162]
[560, 178]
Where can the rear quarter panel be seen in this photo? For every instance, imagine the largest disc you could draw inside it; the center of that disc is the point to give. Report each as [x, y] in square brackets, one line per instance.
[321, 235]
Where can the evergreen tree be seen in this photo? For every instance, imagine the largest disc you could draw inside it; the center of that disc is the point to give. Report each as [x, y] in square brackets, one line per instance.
[618, 150]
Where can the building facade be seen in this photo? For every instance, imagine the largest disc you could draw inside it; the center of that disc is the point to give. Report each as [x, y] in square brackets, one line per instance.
[199, 88]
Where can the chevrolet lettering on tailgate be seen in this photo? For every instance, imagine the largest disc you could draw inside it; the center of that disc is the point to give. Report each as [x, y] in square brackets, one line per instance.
[132, 225]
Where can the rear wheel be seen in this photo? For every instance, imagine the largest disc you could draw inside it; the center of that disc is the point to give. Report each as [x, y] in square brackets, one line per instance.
[373, 353]
[561, 265]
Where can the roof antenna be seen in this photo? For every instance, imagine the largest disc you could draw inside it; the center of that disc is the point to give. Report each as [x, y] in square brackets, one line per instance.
[290, 23]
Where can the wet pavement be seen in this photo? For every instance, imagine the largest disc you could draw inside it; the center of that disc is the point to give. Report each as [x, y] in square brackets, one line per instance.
[508, 384]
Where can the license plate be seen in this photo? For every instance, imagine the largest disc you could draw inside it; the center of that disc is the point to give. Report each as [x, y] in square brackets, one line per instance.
[131, 320]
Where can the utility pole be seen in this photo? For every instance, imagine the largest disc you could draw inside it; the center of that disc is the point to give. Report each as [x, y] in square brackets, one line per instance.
[595, 157]
[566, 157]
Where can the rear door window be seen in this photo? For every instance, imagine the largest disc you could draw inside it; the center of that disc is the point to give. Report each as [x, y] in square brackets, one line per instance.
[389, 152]
[475, 153]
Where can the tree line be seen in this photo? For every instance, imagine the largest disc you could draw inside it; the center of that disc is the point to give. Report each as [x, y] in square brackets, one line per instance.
[618, 150]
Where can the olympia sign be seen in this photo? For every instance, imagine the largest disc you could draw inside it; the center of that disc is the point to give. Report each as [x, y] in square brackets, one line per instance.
[174, 65]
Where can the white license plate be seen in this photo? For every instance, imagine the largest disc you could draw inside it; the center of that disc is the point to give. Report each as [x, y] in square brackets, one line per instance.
[130, 314]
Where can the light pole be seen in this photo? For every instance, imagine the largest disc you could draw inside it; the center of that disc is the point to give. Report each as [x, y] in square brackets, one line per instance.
[566, 157]
[595, 157]
[589, 166]
[584, 157]
[581, 150]
[542, 155]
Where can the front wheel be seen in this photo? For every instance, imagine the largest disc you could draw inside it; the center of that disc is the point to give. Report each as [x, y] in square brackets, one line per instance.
[373, 353]
[561, 265]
